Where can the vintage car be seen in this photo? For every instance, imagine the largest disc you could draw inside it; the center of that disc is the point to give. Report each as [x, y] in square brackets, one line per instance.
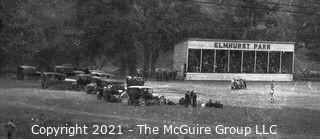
[135, 81]
[55, 80]
[113, 92]
[91, 88]
[82, 80]
[97, 84]
[238, 84]
[143, 95]
[27, 72]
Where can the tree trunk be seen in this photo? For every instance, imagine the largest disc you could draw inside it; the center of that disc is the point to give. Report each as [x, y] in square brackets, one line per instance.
[154, 58]
[146, 62]
[155, 53]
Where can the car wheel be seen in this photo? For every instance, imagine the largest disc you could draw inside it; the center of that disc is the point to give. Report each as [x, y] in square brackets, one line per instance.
[142, 102]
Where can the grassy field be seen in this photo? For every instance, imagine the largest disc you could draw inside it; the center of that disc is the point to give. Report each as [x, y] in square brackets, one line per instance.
[296, 110]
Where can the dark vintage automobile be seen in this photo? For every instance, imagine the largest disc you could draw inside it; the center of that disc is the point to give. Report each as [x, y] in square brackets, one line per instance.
[82, 80]
[97, 84]
[238, 84]
[54, 80]
[27, 72]
[107, 89]
[113, 92]
[92, 87]
[143, 95]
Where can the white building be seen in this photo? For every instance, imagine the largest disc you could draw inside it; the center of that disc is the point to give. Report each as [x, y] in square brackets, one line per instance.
[212, 59]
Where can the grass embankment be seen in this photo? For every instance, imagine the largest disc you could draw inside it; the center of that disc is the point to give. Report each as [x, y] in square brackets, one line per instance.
[28, 104]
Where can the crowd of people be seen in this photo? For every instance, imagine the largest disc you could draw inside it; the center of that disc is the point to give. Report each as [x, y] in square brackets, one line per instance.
[134, 81]
[189, 99]
[166, 74]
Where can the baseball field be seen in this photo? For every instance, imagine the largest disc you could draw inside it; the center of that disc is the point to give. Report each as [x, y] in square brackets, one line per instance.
[294, 114]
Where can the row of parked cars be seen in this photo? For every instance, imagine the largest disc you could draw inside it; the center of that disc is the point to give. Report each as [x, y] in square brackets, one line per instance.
[133, 90]
[98, 82]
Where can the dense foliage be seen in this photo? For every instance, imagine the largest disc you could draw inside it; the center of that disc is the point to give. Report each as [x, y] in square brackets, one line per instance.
[131, 33]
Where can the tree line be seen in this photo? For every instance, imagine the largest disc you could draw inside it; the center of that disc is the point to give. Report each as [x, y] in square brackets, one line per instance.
[131, 33]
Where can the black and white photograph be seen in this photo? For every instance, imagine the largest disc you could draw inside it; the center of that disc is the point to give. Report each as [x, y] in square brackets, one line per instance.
[164, 69]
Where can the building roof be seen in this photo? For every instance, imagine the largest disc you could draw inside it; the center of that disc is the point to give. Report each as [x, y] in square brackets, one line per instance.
[251, 41]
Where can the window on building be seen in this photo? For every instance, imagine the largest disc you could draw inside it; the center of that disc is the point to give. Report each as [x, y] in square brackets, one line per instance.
[286, 63]
[207, 61]
[235, 61]
[248, 61]
[274, 62]
[222, 61]
[194, 60]
[262, 62]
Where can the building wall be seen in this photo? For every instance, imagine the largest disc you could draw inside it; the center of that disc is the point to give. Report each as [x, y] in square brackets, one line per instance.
[249, 45]
[247, 76]
[180, 56]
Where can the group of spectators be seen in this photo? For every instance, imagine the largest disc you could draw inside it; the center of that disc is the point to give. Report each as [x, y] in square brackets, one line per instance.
[190, 99]
[166, 74]
[135, 81]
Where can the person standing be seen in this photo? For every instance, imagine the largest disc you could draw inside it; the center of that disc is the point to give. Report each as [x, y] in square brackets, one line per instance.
[272, 91]
[191, 98]
[175, 74]
[187, 99]
[194, 99]
[10, 126]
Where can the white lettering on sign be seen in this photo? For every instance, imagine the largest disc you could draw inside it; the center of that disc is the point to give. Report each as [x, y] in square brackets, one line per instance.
[241, 45]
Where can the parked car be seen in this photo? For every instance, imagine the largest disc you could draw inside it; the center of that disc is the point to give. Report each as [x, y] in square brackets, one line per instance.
[114, 91]
[82, 80]
[98, 83]
[27, 72]
[55, 80]
[143, 95]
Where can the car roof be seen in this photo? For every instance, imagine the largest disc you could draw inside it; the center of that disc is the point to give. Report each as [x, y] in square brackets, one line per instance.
[79, 71]
[54, 73]
[96, 71]
[63, 66]
[140, 87]
[27, 67]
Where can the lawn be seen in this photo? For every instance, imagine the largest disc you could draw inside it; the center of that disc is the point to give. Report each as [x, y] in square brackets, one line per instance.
[296, 111]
